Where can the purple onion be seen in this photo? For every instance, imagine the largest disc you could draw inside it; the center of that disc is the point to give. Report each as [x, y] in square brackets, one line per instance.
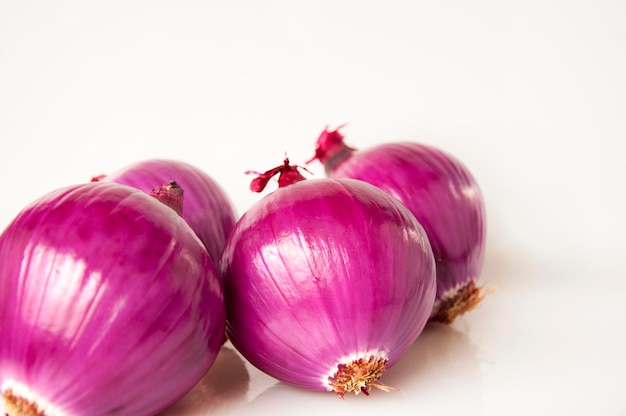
[208, 209]
[444, 197]
[109, 305]
[328, 283]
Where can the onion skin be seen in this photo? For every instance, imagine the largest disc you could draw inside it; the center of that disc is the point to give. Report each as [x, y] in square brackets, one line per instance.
[442, 194]
[288, 175]
[109, 304]
[208, 209]
[323, 272]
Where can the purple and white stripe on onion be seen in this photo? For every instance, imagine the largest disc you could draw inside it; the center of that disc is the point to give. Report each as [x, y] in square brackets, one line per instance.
[328, 282]
[208, 209]
[109, 304]
[444, 197]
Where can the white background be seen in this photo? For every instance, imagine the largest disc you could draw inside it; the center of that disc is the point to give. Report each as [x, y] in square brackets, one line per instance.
[531, 95]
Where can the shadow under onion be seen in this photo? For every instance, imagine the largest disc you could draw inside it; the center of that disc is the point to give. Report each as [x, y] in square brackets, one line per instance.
[441, 365]
[443, 369]
[224, 385]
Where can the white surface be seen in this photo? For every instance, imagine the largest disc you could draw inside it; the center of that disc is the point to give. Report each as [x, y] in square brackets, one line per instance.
[530, 95]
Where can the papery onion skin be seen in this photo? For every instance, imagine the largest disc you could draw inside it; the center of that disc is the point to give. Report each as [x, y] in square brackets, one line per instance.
[442, 194]
[323, 272]
[109, 303]
[208, 209]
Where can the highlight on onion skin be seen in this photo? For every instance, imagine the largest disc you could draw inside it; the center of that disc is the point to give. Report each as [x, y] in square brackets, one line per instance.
[208, 209]
[444, 197]
[109, 305]
[328, 282]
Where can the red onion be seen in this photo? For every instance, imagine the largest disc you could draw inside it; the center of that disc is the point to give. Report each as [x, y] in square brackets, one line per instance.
[328, 282]
[441, 193]
[208, 209]
[109, 304]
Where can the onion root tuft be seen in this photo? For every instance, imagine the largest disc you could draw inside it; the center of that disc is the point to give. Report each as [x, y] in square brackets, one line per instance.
[359, 376]
[462, 300]
[18, 406]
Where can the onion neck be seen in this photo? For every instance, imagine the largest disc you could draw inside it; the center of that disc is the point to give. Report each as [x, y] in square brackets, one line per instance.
[336, 157]
[359, 375]
[170, 194]
[331, 150]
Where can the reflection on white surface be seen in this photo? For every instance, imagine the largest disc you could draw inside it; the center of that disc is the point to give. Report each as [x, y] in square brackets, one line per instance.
[223, 389]
[437, 366]
[549, 340]
[544, 342]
